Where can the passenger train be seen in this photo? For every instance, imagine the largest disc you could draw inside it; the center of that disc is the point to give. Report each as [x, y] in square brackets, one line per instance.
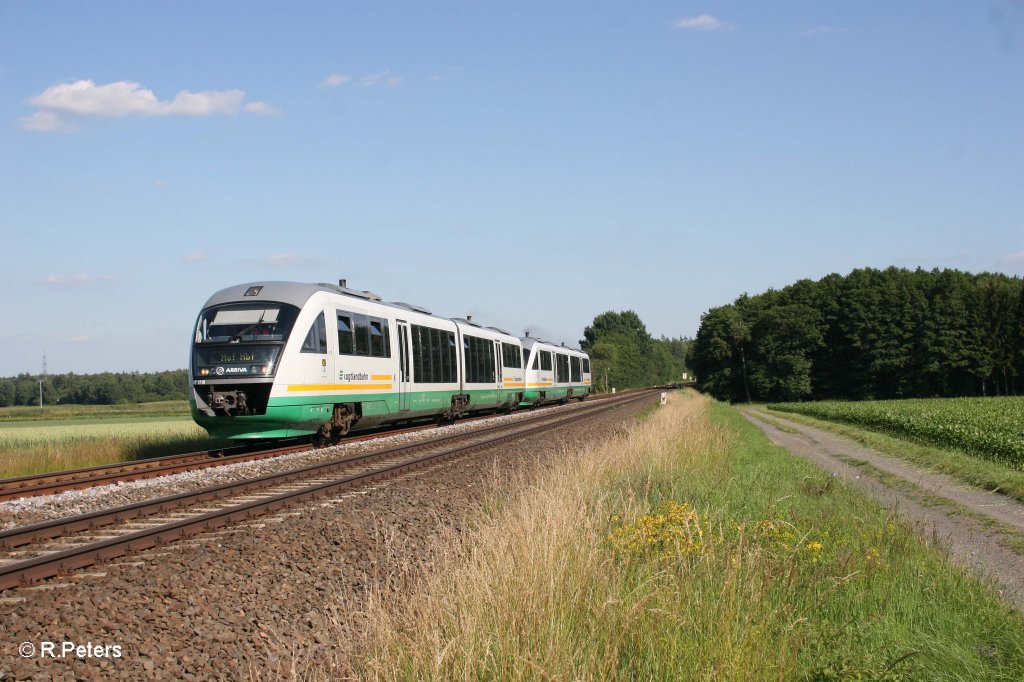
[284, 359]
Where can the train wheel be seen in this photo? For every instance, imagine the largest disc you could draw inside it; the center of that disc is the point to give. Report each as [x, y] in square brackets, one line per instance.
[320, 439]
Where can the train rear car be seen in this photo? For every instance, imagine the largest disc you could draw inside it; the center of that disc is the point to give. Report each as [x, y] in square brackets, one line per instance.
[554, 373]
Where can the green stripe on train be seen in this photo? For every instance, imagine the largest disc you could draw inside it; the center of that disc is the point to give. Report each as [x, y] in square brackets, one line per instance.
[302, 415]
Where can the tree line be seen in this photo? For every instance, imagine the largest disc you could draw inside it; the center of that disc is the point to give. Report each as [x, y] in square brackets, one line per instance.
[871, 334]
[623, 353]
[95, 389]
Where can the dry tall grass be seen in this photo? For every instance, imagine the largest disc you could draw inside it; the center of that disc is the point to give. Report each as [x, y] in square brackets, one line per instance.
[534, 591]
[685, 547]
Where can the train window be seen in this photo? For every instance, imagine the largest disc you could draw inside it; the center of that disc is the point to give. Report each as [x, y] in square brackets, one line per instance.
[453, 363]
[428, 368]
[387, 338]
[246, 323]
[346, 340]
[586, 365]
[468, 352]
[545, 361]
[433, 353]
[561, 368]
[479, 355]
[379, 348]
[362, 329]
[511, 356]
[436, 369]
[316, 339]
[575, 374]
[536, 360]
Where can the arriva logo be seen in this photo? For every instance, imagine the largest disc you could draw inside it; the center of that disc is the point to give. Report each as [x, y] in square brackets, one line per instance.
[220, 371]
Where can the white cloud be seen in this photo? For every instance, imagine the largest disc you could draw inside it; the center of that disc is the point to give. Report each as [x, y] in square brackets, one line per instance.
[60, 104]
[46, 122]
[261, 109]
[335, 79]
[193, 257]
[372, 79]
[80, 339]
[704, 22]
[161, 184]
[1016, 259]
[74, 281]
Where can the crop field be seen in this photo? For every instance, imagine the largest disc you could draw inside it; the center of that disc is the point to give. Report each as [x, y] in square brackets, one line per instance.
[990, 428]
[167, 408]
[39, 446]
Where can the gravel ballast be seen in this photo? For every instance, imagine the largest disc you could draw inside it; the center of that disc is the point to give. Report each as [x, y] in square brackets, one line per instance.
[254, 600]
[28, 510]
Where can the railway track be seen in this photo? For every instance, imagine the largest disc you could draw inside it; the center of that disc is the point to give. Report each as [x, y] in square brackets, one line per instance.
[40, 551]
[106, 474]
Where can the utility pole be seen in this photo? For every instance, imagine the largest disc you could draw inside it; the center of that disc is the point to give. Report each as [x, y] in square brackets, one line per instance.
[41, 382]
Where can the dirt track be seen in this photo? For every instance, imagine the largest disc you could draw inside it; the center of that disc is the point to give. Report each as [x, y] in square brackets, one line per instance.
[974, 524]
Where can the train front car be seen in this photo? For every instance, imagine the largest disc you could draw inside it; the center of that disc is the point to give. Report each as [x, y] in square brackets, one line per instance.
[250, 342]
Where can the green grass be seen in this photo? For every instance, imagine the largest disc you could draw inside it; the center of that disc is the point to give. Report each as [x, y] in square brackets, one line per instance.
[167, 408]
[989, 428]
[693, 548]
[37, 447]
[980, 472]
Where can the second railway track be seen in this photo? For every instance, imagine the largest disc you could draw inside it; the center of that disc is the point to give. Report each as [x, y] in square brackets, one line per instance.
[43, 550]
[79, 479]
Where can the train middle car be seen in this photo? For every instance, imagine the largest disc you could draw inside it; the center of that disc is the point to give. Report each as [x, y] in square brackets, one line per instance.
[282, 359]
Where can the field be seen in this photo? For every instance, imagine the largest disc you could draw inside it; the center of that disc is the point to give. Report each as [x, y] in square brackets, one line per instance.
[169, 408]
[990, 428]
[690, 547]
[98, 437]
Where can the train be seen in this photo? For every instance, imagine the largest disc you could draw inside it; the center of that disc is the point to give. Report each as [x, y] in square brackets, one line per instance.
[288, 359]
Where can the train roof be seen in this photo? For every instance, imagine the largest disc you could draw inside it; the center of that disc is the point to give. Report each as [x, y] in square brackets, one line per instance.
[294, 293]
[297, 293]
[530, 341]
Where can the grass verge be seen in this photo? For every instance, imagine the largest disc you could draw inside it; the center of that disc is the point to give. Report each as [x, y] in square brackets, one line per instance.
[690, 547]
[968, 468]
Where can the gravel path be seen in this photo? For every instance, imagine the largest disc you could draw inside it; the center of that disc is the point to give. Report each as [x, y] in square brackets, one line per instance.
[249, 601]
[935, 502]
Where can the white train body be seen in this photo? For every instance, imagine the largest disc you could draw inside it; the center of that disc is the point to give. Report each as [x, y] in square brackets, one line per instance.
[279, 359]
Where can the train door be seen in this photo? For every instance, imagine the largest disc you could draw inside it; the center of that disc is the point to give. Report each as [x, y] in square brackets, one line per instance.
[404, 376]
[317, 364]
[498, 366]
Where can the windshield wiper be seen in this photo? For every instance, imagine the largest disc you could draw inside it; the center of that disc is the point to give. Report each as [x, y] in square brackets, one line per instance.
[238, 337]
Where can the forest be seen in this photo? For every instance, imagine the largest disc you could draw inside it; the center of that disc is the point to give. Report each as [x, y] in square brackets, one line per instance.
[106, 388]
[871, 334]
[624, 354]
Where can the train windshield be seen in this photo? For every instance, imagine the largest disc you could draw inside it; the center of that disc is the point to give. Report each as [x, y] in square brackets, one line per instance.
[245, 323]
[241, 340]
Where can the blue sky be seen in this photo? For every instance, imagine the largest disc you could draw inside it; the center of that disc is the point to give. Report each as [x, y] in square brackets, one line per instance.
[532, 164]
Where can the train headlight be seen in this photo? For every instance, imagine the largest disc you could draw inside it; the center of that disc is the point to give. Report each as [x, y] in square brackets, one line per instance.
[204, 372]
